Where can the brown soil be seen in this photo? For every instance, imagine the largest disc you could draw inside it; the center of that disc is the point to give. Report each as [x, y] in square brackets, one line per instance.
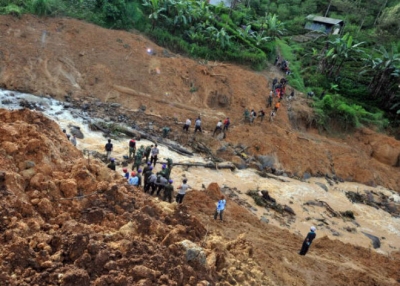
[117, 235]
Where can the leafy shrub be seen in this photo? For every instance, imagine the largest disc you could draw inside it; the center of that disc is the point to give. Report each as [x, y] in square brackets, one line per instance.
[11, 9]
[335, 110]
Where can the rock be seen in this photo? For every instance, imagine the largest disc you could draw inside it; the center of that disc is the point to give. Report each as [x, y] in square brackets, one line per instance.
[77, 132]
[10, 147]
[193, 251]
[76, 277]
[141, 271]
[29, 164]
[289, 210]
[322, 186]
[128, 230]
[68, 188]
[376, 243]
[115, 105]
[238, 162]
[264, 219]
[266, 161]
[306, 176]
[45, 207]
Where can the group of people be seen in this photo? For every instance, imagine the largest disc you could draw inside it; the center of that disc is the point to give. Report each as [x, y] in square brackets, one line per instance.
[151, 182]
[221, 126]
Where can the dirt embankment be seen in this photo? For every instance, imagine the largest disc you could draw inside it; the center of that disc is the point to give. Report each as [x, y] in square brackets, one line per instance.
[64, 57]
[67, 220]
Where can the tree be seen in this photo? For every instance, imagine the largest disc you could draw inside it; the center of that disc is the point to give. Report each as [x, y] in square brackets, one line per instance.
[385, 79]
[342, 50]
[156, 10]
[275, 28]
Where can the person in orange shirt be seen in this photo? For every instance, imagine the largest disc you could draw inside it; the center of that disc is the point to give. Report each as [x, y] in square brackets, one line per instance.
[277, 105]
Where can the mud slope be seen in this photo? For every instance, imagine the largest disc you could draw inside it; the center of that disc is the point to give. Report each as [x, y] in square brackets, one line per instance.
[67, 220]
[64, 57]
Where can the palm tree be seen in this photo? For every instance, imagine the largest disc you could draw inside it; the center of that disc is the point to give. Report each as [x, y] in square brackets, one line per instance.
[275, 28]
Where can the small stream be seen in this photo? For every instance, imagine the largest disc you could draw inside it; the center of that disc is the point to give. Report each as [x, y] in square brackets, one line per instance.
[292, 192]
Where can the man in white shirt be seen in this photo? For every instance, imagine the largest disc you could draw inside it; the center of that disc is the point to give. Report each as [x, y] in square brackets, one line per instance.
[197, 125]
[154, 154]
[218, 127]
[187, 125]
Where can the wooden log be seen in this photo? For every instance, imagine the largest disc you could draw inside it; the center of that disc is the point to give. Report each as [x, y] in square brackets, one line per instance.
[223, 165]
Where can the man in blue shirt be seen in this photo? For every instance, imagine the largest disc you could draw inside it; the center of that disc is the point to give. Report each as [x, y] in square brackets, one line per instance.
[220, 208]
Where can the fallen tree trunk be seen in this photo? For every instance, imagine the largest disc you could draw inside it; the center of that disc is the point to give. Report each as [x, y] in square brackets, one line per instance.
[223, 165]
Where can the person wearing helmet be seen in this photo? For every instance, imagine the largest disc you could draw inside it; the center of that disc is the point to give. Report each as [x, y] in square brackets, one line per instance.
[308, 240]
[147, 174]
[182, 191]
[145, 169]
[151, 183]
[164, 172]
[126, 173]
[132, 148]
[160, 183]
[112, 164]
[168, 191]
[133, 180]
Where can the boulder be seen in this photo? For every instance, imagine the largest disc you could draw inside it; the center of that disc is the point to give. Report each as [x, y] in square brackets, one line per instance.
[193, 252]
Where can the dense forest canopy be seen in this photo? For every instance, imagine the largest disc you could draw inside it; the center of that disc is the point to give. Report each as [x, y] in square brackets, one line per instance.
[355, 74]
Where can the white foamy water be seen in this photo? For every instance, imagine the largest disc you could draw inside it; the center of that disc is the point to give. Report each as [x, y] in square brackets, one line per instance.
[292, 193]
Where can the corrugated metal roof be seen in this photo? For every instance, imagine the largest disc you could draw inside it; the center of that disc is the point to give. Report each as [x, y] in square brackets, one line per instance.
[324, 19]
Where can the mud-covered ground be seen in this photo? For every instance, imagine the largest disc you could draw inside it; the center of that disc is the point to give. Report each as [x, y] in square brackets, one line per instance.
[73, 60]
[116, 235]
[67, 220]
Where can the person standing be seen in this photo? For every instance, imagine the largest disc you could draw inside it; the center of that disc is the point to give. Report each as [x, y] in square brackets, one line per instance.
[187, 125]
[132, 148]
[168, 191]
[262, 115]
[138, 161]
[112, 164]
[308, 240]
[182, 191]
[147, 172]
[253, 115]
[147, 153]
[246, 115]
[161, 182]
[73, 140]
[269, 102]
[220, 208]
[197, 125]
[218, 127]
[277, 105]
[108, 147]
[227, 122]
[154, 155]
[151, 183]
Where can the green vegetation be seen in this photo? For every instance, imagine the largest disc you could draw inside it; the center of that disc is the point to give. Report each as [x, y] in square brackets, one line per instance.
[360, 67]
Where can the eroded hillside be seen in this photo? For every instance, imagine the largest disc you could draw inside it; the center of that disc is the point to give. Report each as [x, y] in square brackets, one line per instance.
[82, 63]
[67, 220]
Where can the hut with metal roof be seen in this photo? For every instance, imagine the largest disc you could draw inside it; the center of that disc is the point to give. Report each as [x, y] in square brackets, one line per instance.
[324, 24]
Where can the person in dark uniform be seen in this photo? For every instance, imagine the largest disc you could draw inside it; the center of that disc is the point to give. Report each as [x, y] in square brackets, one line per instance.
[307, 242]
